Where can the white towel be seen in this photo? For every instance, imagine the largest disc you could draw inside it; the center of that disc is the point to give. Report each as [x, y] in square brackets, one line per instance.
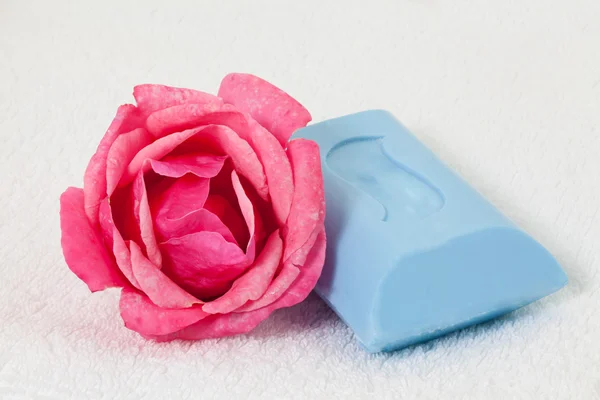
[507, 93]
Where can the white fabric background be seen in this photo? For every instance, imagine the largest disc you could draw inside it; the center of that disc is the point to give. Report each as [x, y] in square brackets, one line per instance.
[506, 92]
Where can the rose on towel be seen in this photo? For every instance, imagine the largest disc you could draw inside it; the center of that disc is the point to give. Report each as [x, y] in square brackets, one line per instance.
[200, 209]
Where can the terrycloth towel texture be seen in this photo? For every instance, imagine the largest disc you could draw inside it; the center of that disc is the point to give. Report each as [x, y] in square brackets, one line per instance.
[507, 93]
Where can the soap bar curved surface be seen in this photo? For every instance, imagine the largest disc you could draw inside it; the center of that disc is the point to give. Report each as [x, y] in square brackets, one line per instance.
[414, 251]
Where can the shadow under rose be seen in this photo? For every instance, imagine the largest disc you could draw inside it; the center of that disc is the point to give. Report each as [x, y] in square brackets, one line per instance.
[311, 315]
[310, 322]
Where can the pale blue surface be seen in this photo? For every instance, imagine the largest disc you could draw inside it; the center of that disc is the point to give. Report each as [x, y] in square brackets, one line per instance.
[413, 251]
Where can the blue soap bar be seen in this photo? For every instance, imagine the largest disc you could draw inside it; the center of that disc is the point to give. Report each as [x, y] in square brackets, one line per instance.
[413, 251]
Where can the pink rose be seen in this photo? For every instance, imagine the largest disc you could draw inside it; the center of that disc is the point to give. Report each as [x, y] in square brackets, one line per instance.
[200, 209]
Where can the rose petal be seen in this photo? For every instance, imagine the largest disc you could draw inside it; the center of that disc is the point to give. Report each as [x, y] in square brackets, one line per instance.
[203, 263]
[309, 275]
[119, 247]
[82, 246]
[150, 98]
[276, 288]
[274, 109]
[188, 116]
[94, 180]
[181, 117]
[264, 218]
[144, 220]
[307, 213]
[195, 221]
[254, 282]
[259, 228]
[205, 253]
[201, 165]
[120, 154]
[187, 194]
[161, 290]
[145, 317]
[231, 217]
[247, 210]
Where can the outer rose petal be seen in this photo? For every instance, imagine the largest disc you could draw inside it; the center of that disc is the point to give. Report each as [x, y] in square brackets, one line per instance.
[277, 169]
[120, 154]
[270, 106]
[150, 98]
[307, 214]
[309, 275]
[181, 117]
[82, 246]
[161, 290]
[188, 116]
[276, 289]
[292, 285]
[94, 180]
[254, 282]
[145, 317]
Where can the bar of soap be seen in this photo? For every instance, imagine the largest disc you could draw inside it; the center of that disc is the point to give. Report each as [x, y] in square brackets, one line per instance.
[413, 251]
